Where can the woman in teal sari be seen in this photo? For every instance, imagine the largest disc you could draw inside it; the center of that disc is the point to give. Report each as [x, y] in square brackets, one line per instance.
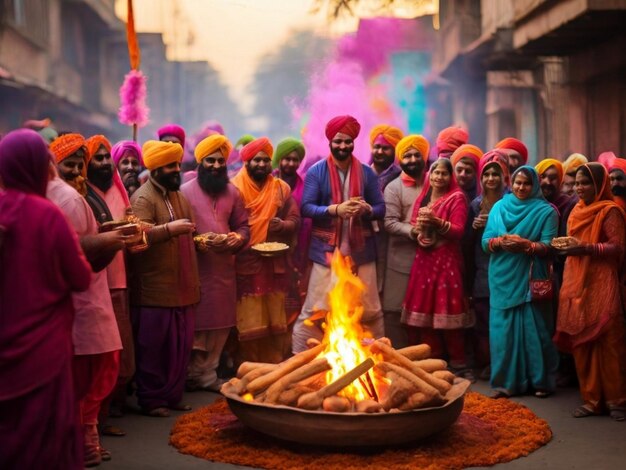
[519, 230]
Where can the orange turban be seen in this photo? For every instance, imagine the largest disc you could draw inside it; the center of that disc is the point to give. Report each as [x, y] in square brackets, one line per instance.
[451, 138]
[618, 164]
[344, 124]
[212, 144]
[391, 134]
[417, 142]
[157, 153]
[67, 144]
[546, 163]
[573, 162]
[93, 145]
[262, 144]
[512, 143]
[467, 151]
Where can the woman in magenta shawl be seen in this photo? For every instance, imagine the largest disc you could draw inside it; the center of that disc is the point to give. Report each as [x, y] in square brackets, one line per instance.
[435, 309]
[41, 264]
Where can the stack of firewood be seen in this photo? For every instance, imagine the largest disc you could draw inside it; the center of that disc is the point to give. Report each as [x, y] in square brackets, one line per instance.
[405, 379]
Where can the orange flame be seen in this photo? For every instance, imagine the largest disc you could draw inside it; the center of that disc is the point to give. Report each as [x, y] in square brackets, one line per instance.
[343, 333]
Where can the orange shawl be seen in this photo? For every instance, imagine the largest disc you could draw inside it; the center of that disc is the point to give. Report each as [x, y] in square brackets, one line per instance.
[583, 309]
[261, 203]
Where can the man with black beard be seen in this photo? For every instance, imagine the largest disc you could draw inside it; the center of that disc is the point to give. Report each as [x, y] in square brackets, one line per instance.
[262, 282]
[400, 196]
[617, 177]
[343, 198]
[218, 209]
[126, 155]
[108, 200]
[164, 283]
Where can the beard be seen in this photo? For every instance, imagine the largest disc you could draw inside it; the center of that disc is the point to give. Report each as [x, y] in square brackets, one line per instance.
[79, 184]
[212, 182]
[170, 181]
[341, 155]
[101, 178]
[619, 191]
[130, 179]
[548, 191]
[414, 171]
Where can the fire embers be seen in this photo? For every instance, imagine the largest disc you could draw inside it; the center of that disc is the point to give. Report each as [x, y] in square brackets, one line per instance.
[394, 380]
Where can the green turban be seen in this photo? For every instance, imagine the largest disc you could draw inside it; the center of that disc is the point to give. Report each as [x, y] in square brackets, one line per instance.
[285, 147]
[244, 140]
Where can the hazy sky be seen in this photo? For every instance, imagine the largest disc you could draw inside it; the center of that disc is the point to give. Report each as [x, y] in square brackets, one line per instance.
[233, 35]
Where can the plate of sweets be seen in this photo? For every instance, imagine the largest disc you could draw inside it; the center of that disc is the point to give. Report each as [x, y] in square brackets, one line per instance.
[210, 239]
[561, 243]
[270, 248]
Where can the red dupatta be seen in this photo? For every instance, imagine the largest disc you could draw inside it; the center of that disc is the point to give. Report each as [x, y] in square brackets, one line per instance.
[357, 240]
[442, 206]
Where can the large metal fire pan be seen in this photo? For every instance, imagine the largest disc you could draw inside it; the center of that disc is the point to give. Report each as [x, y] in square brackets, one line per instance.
[349, 429]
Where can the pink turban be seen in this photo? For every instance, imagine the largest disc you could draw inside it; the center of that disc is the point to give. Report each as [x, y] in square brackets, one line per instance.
[173, 130]
[501, 159]
[344, 124]
[392, 135]
[123, 146]
[262, 144]
[606, 159]
[511, 143]
[467, 151]
[451, 138]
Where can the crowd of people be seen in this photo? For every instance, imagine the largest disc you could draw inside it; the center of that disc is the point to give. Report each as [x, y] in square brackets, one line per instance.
[512, 273]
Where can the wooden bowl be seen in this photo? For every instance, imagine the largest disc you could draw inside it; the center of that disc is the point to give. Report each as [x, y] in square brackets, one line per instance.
[348, 429]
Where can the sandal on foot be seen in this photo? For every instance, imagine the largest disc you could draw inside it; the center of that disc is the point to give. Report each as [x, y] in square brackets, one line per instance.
[104, 454]
[542, 393]
[582, 412]
[110, 430]
[499, 394]
[160, 412]
[617, 413]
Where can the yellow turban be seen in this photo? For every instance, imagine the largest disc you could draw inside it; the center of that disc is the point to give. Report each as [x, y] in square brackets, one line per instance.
[543, 165]
[391, 134]
[157, 154]
[573, 162]
[417, 142]
[212, 144]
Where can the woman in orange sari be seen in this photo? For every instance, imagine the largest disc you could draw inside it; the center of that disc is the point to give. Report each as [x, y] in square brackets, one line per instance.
[590, 321]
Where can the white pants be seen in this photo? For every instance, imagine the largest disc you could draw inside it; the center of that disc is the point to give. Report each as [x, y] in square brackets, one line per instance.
[205, 356]
[320, 284]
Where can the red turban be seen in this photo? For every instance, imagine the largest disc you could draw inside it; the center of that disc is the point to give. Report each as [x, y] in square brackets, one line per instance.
[512, 143]
[618, 164]
[94, 143]
[344, 124]
[262, 144]
[67, 144]
[451, 138]
[467, 151]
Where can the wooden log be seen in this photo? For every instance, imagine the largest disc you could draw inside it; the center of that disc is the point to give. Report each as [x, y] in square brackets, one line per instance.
[399, 392]
[431, 365]
[312, 342]
[247, 367]
[289, 397]
[445, 375]
[418, 385]
[312, 401]
[336, 404]
[295, 376]
[416, 352]
[368, 406]
[261, 383]
[393, 356]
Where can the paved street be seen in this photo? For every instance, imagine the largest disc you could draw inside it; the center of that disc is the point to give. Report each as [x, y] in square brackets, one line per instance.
[591, 444]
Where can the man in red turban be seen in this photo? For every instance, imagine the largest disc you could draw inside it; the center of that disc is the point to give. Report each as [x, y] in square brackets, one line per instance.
[342, 197]
[450, 139]
[515, 150]
[617, 177]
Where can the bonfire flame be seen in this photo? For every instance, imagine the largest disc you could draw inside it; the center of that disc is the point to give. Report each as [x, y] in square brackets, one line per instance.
[343, 332]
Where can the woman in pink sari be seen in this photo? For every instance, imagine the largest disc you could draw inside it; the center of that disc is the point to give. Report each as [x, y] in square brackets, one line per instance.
[435, 308]
[41, 264]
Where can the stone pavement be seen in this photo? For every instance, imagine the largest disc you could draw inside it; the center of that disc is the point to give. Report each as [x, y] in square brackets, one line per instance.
[595, 443]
